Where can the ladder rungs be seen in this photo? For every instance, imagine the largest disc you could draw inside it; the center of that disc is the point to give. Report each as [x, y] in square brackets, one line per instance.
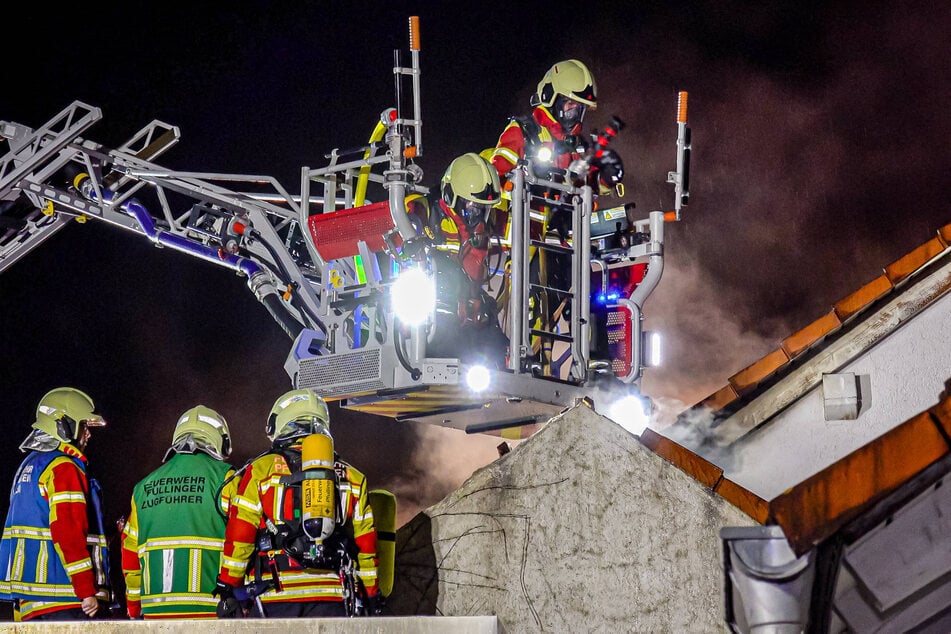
[552, 335]
[553, 290]
[549, 246]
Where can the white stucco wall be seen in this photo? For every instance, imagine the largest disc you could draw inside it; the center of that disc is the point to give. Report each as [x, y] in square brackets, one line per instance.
[579, 529]
[907, 371]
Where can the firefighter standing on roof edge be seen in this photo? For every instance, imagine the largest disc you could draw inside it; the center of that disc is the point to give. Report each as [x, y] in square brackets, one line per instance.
[300, 535]
[172, 541]
[53, 559]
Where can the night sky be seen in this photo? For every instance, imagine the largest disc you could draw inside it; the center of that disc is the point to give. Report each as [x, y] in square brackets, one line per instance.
[821, 147]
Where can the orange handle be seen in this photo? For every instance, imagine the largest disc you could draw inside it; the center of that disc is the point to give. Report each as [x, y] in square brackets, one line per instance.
[682, 107]
[414, 33]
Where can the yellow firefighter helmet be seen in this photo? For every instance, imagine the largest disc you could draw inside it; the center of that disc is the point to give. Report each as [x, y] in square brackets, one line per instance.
[61, 412]
[296, 414]
[201, 429]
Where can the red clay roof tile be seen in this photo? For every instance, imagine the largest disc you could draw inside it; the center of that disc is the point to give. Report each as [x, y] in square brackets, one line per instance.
[748, 502]
[747, 378]
[817, 507]
[861, 298]
[702, 470]
[799, 341]
[911, 262]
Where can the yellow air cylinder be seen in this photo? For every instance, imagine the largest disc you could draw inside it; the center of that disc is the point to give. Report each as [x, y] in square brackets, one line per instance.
[317, 490]
[383, 504]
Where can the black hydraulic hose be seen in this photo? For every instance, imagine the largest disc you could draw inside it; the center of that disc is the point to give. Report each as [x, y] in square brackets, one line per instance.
[274, 306]
[415, 373]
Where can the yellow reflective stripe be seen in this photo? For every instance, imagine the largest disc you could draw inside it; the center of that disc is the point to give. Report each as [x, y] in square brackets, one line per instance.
[244, 503]
[97, 540]
[366, 574]
[187, 541]
[287, 593]
[179, 598]
[132, 532]
[506, 153]
[58, 590]
[146, 574]
[14, 532]
[133, 593]
[18, 559]
[233, 564]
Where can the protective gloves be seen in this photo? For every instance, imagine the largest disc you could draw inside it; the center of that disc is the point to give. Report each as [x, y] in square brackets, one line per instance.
[228, 606]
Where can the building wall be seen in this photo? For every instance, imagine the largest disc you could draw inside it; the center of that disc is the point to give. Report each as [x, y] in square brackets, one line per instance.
[906, 372]
[578, 529]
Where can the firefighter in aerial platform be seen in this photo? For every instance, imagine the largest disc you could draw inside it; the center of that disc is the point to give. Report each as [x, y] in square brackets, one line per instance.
[462, 220]
[551, 137]
[300, 539]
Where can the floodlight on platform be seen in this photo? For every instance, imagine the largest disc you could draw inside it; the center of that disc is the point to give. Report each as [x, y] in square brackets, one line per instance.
[413, 296]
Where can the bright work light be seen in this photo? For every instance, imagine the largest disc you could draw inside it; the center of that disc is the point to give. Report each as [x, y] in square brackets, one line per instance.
[477, 378]
[413, 296]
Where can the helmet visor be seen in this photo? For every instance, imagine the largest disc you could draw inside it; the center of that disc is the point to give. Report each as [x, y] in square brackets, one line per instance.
[585, 95]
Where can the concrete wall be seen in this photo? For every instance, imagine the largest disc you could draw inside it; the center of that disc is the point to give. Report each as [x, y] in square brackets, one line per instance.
[578, 529]
[381, 625]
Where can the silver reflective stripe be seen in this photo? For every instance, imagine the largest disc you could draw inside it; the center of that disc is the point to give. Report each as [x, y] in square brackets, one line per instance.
[168, 569]
[42, 563]
[194, 570]
[146, 574]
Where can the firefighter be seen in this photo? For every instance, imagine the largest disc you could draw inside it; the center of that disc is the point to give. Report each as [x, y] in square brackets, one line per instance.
[53, 559]
[551, 138]
[468, 193]
[299, 551]
[172, 541]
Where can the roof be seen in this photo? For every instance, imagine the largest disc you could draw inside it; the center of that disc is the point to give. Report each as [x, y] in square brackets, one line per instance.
[821, 504]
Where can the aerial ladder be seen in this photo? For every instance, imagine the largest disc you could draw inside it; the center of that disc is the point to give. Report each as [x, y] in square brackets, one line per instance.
[327, 262]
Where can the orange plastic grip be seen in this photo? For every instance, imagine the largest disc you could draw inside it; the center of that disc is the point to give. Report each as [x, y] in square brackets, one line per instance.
[414, 33]
[682, 107]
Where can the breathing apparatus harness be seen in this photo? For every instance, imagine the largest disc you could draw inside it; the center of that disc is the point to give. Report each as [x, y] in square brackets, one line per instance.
[312, 538]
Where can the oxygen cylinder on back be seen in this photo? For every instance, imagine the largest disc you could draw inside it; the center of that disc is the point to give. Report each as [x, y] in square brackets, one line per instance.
[317, 489]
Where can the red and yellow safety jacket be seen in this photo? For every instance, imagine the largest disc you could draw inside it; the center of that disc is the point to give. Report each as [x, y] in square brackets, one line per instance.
[521, 136]
[511, 144]
[51, 559]
[261, 499]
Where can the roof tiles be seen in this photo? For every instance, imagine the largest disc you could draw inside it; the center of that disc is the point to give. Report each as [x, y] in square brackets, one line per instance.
[823, 503]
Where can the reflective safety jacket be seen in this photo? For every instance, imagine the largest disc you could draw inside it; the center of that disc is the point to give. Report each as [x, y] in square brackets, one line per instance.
[521, 136]
[53, 551]
[262, 499]
[172, 541]
[525, 136]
